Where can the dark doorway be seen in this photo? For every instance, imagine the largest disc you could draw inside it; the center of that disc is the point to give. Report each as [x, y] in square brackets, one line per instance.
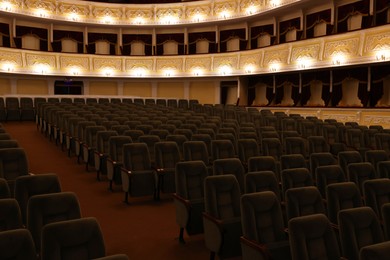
[68, 87]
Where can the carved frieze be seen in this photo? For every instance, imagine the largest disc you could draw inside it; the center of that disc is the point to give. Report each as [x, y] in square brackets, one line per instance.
[175, 64]
[348, 47]
[305, 52]
[73, 9]
[202, 63]
[100, 63]
[11, 57]
[146, 64]
[74, 61]
[40, 59]
[47, 5]
[377, 42]
[275, 56]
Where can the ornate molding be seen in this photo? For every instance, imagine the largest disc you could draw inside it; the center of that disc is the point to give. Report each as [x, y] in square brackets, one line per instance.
[348, 47]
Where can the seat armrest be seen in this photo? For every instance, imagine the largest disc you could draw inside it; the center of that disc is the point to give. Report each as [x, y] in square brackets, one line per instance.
[259, 247]
[182, 200]
[214, 220]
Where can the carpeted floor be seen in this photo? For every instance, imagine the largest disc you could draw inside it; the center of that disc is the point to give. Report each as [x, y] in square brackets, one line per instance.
[145, 229]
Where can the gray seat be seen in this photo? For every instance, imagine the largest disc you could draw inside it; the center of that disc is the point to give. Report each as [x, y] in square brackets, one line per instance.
[17, 244]
[379, 251]
[14, 164]
[10, 215]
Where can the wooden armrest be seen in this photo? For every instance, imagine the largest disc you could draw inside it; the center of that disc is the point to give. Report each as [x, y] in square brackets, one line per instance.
[260, 247]
[182, 200]
[216, 221]
[126, 171]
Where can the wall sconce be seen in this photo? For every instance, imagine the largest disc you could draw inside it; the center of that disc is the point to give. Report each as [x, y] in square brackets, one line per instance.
[197, 18]
[41, 68]
[6, 6]
[197, 72]
[274, 67]
[139, 20]
[338, 59]
[107, 19]
[303, 63]
[251, 10]
[225, 70]
[249, 68]
[73, 17]
[275, 3]
[139, 72]
[224, 15]
[75, 71]
[8, 67]
[169, 72]
[41, 13]
[108, 72]
[382, 55]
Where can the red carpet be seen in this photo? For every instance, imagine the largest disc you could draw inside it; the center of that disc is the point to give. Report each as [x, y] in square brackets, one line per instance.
[145, 229]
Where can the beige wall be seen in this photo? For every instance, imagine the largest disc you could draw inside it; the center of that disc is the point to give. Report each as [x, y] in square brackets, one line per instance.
[141, 89]
[5, 86]
[103, 88]
[32, 87]
[170, 90]
[203, 91]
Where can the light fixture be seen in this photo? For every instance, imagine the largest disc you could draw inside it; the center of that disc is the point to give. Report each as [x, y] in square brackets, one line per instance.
[197, 18]
[275, 3]
[338, 59]
[251, 10]
[107, 72]
[274, 67]
[8, 66]
[41, 13]
[249, 68]
[168, 72]
[225, 70]
[224, 15]
[6, 6]
[107, 19]
[382, 55]
[304, 63]
[41, 68]
[74, 70]
[139, 72]
[197, 71]
[73, 17]
[138, 20]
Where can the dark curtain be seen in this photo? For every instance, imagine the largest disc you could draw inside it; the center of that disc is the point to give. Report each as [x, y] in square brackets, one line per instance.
[194, 37]
[346, 11]
[38, 32]
[4, 33]
[111, 38]
[258, 31]
[283, 79]
[225, 36]
[177, 37]
[286, 26]
[268, 81]
[129, 38]
[58, 35]
[381, 8]
[313, 19]
[378, 74]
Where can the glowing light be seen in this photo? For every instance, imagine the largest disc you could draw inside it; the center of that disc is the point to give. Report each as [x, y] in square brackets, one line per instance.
[7, 6]
[74, 70]
[338, 59]
[139, 72]
[138, 20]
[169, 19]
[107, 19]
[225, 70]
[198, 18]
[275, 3]
[249, 68]
[73, 17]
[8, 66]
[197, 71]
[382, 55]
[41, 68]
[41, 13]
[224, 15]
[273, 67]
[108, 72]
[169, 72]
[304, 63]
[251, 10]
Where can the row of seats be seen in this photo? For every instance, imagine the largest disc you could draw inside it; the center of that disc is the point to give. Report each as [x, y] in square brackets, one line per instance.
[294, 164]
[38, 220]
[25, 108]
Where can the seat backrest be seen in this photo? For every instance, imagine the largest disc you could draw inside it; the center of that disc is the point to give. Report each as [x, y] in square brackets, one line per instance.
[222, 196]
[102, 140]
[339, 196]
[189, 179]
[230, 166]
[261, 163]
[49, 208]
[167, 154]
[376, 156]
[116, 143]
[136, 157]
[295, 145]
[360, 172]
[312, 237]
[256, 207]
[383, 169]
[355, 138]
[91, 135]
[72, 239]
[294, 178]
[290, 161]
[10, 216]
[30, 185]
[247, 148]
[330, 133]
[321, 159]
[262, 181]
[359, 227]
[303, 201]
[13, 163]
[318, 144]
[380, 251]
[328, 174]
[5, 193]
[272, 147]
[222, 149]
[347, 157]
[17, 244]
[376, 193]
[196, 150]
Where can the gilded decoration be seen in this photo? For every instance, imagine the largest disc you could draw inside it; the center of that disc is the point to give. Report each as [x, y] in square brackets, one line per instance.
[203, 63]
[41, 5]
[11, 57]
[198, 12]
[230, 61]
[115, 13]
[139, 13]
[131, 64]
[250, 59]
[74, 61]
[276, 56]
[305, 52]
[176, 13]
[38, 59]
[171, 63]
[348, 47]
[226, 6]
[113, 63]
[377, 42]
[73, 9]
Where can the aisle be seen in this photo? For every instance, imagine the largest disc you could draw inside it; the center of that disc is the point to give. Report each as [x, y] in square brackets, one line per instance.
[146, 229]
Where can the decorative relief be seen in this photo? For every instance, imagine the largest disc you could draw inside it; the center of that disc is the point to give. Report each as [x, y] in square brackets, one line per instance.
[203, 63]
[230, 61]
[176, 13]
[276, 56]
[112, 63]
[198, 12]
[305, 52]
[378, 42]
[171, 63]
[245, 4]
[226, 6]
[253, 59]
[42, 5]
[80, 10]
[11, 57]
[342, 117]
[107, 12]
[376, 120]
[37, 59]
[143, 13]
[146, 64]
[348, 46]
[80, 62]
